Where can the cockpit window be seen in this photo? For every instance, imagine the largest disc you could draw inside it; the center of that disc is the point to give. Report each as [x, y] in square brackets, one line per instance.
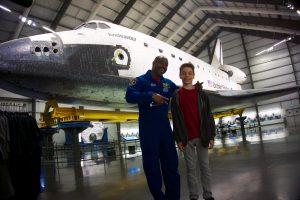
[79, 27]
[103, 26]
[91, 25]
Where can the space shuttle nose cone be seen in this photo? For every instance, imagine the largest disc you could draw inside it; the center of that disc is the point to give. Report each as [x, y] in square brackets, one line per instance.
[15, 49]
[13, 53]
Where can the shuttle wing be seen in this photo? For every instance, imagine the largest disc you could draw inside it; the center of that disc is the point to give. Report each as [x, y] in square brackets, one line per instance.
[222, 100]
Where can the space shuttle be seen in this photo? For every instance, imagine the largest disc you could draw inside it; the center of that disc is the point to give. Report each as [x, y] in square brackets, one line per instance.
[93, 64]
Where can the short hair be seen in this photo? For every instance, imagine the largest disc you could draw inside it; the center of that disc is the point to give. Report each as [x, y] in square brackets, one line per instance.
[189, 64]
[161, 58]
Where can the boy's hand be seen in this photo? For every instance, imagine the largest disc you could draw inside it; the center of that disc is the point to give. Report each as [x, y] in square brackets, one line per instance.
[198, 86]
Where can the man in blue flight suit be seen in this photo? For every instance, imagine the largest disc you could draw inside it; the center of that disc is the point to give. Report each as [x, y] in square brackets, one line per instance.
[151, 92]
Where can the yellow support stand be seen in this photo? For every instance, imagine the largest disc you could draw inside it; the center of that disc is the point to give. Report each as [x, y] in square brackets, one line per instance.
[63, 114]
[235, 111]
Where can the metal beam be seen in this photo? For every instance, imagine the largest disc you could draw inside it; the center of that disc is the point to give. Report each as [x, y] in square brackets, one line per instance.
[167, 18]
[263, 34]
[293, 67]
[191, 32]
[273, 2]
[247, 10]
[139, 25]
[290, 24]
[183, 24]
[124, 12]
[96, 10]
[229, 9]
[207, 42]
[287, 31]
[60, 14]
[21, 23]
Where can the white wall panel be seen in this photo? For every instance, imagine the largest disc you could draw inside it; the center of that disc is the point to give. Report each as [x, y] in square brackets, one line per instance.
[235, 58]
[229, 37]
[292, 102]
[294, 48]
[297, 67]
[240, 64]
[233, 51]
[250, 39]
[272, 73]
[268, 57]
[271, 65]
[84, 4]
[296, 58]
[246, 86]
[282, 99]
[269, 107]
[259, 44]
[298, 75]
[275, 81]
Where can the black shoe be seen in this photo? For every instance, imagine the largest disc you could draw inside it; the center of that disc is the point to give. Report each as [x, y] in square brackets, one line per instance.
[210, 198]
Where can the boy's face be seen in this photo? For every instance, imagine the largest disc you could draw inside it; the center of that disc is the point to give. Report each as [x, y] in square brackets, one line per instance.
[187, 75]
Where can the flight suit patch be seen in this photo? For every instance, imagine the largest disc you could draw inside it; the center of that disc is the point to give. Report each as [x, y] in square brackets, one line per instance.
[166, 87]
[132, 82]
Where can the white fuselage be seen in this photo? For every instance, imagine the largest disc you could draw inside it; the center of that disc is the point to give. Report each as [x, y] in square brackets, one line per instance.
[143, 49]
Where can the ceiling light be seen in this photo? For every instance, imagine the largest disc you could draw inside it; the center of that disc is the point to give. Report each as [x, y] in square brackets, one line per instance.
[48, 29]
[292, 5]
[23, 19]
[4, 8]
[272, 47]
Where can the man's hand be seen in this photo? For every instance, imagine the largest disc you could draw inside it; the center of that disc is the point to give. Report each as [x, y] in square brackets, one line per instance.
[211, 144]
[159, 99]
[198, 86]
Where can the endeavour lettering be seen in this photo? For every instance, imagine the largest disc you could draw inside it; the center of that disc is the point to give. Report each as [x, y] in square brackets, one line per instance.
[122, 36]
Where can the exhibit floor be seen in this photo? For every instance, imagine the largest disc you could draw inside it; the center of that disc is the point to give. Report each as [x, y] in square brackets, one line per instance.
[253, 171]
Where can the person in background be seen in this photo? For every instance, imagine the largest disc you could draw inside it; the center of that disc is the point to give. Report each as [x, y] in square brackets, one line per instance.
[194, 131]
[152, 92]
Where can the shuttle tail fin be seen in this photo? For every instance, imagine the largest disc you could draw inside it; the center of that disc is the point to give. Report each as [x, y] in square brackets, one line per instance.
[217, 59]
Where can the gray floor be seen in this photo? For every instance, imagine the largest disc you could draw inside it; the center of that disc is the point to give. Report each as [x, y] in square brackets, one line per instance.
[261, 171]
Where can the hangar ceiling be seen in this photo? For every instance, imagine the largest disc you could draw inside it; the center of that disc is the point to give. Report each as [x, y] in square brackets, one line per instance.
[186, 24]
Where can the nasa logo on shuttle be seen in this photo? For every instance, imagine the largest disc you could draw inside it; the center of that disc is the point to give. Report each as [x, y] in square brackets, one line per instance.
[210, 83]
[166, 87]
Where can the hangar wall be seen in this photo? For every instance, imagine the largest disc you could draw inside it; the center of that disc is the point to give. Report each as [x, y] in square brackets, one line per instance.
[279, 67]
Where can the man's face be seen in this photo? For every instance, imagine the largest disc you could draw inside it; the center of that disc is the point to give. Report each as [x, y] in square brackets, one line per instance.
[160, 66]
